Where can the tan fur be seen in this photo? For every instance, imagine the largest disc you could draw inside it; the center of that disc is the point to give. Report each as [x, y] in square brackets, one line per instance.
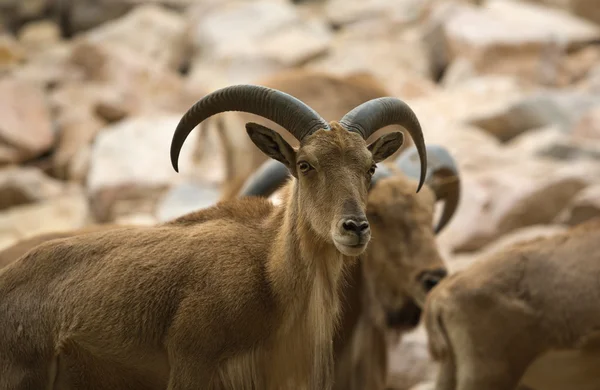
[496, 323]
[331, 96]
[403, 246]
[242, 295]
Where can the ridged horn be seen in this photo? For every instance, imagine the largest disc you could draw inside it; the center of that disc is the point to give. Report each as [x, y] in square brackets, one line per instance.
[267, 179]
[442, 176]
[285, 110]
[374, 114]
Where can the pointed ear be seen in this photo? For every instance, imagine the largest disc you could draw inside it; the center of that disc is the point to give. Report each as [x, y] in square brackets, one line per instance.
[386, 145]
[273, 145]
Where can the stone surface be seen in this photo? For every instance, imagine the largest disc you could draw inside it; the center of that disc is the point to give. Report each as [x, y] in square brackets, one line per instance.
[343, 12]
[585, 205]
[409, 361]
[26, 128]
[519, 193]
[588, 125]
[66, 212]
[506, 36]
[537, 110]
[20, 186]
[185, 198]
[11, 53]
[243, 41]
[148, 31]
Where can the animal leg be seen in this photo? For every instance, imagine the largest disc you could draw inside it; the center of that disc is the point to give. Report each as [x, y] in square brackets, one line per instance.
[191, 374]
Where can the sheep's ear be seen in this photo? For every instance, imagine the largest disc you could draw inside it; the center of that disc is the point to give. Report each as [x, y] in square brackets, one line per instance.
[386, 145]
[273, 145]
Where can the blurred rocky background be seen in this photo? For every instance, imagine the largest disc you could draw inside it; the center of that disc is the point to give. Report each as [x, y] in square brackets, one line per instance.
[91, 91]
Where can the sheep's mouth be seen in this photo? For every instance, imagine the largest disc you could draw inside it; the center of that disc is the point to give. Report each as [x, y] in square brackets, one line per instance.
[405, 318]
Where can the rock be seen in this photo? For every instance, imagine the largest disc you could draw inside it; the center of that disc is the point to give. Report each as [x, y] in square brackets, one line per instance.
[521, 192]
[66, 212]
[551, 142]
[37, 35]
[11, 53]
[506, 36]
[185, 198]
[137, 220]
[130, 162]
[21, 186]
[368, 47]
[150, 32]
[243, 41]
[26, 128]
[343, 12]
[584, 206]
[126, 84]
[410, 362]
[561, 108]
[588, 125]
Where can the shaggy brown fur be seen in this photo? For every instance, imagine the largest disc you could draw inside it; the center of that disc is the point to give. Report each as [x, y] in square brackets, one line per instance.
[242, 295]
[331, 96]
[502, 320]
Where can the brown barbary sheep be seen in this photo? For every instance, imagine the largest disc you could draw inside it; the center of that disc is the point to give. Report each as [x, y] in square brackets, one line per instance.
[242, 295]
[527, 315]
[385, 291]
[330, 95]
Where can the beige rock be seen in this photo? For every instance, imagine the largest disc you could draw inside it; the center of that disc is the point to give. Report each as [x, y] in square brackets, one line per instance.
[37, 35]
[561, 108]
[130, 167]
[369, 46]
[551, 142]
[20, 186]
[409, 361]
[11, 53]
[585, 205]
[506, 36]
[26, 128]
[588, 125]
[242, 41]
[519, 193]
[185, 198]
[149, 31]
[342, 12]
[126, 84]
[66, 212]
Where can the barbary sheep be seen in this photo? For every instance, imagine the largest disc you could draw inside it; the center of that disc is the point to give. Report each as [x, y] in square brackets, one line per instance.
[527, 315]
[330, 95]
[386, 289]
[242, 295]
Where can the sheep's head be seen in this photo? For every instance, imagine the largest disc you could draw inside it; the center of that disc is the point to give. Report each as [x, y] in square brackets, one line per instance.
[333, 164]
[403, 263]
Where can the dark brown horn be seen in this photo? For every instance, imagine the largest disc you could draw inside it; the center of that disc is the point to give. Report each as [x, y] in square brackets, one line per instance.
[442, 176]
[268, 178]
[371, 116]
[285, 110]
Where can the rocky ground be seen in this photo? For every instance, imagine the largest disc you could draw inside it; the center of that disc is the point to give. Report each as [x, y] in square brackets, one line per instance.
[91, 91]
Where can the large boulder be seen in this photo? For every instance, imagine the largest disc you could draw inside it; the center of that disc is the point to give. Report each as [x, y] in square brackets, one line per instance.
[26, 129]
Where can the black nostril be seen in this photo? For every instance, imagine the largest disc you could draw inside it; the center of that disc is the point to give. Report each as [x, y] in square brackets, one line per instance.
[430, 279]
[355, 227]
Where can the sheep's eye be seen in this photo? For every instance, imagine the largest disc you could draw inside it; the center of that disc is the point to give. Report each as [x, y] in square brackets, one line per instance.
[372, 170]
[304, 166]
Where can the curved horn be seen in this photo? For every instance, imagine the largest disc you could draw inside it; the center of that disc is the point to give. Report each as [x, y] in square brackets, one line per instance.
[371, 116]
[266, 180]
[442, 176]
[285, 110]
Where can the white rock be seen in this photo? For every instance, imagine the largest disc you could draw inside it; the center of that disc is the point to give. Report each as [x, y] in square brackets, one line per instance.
[185, 198]
[136, 152]
[149, 31]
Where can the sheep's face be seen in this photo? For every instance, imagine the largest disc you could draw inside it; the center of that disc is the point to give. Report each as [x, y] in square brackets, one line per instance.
[403, 263]
[334, 169]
